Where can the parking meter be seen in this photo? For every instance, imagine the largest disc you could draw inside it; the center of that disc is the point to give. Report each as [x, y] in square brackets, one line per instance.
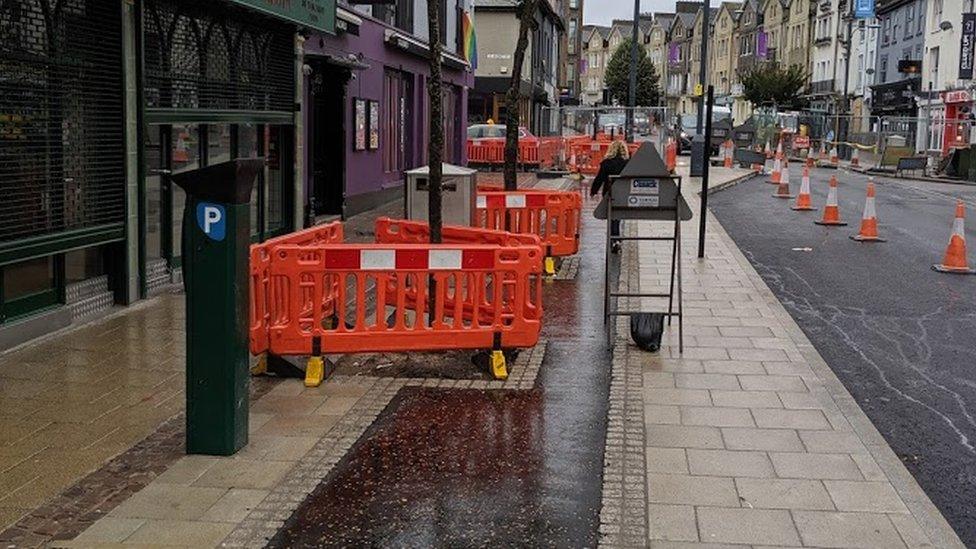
[216, 239]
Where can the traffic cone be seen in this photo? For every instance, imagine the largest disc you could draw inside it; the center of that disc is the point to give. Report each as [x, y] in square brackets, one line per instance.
[823, 150]
[728, 154]
[779, 148]
[783, 190]
[769, 151]
[803, 201]
[955, 254]
[831, 214]
[869, 220]
[834, 159]
[855, 158]
[777, 171]
[811, 162]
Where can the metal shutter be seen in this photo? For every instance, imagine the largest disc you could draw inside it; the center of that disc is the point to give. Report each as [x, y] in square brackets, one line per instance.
[210, 56]
[62, 147]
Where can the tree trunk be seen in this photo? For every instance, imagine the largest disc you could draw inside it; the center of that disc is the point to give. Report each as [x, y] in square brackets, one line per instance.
[526, 17]
[435, 146]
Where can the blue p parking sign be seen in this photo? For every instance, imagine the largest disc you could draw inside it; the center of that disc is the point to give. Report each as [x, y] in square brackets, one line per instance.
[212, 220]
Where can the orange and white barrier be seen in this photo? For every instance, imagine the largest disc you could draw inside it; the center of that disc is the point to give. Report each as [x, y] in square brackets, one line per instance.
[407, 297]
[260, 263]
[803, 200]
[831, 215]
[783, 189]
[954, 260]
[729, 149]
[553, 216]
[869, 220]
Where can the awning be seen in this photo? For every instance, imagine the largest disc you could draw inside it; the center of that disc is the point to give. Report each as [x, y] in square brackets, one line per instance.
[351, 61]
[419, 48]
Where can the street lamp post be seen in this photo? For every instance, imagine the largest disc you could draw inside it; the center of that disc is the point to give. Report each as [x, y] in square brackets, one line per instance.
[702, 68]
[632, 95]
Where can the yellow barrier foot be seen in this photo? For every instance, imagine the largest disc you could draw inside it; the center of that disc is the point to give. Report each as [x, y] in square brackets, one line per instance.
[261, 367]
[314, 371]
[498, 368]
[550, 266]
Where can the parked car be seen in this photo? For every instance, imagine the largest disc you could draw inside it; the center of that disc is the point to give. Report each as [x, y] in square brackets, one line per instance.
[687, 127]
[478, 132]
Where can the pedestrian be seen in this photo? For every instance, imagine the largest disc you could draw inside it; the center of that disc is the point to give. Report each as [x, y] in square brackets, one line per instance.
[612, 164]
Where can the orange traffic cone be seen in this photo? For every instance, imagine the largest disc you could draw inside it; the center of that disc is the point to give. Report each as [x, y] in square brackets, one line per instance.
[727, 162]
[803, 201]
[810, 160]
[777, 171]
[823, 150]
[855, 158]
[783, 190]
[831, 214]
[955, 254]
[779, 148]
[769, 151]
[869, 220]
[834, 159]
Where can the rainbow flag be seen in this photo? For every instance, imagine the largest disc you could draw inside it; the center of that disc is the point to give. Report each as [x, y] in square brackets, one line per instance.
[470, 41]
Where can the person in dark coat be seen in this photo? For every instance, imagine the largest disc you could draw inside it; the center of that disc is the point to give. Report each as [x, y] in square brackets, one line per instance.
[613, 163]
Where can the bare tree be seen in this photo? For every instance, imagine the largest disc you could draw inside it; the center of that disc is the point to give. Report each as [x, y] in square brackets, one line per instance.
[526, 16]
[435, 145]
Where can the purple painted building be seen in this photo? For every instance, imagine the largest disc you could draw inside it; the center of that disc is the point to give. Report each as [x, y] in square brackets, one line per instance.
[365, 103]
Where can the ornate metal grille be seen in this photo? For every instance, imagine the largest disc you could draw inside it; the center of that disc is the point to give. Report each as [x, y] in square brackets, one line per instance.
[198, 56]
[61, 117]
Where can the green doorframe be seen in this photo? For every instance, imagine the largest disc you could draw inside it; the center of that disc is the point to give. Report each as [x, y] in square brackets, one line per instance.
[141, 149]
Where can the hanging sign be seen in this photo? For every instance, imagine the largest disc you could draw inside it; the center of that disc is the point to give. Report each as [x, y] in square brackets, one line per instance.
[863, 9]
[316, 14]
[966, 44]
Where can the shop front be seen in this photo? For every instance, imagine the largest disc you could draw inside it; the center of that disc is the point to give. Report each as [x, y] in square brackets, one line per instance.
[365, 120]
[218, 82]
[958, 121]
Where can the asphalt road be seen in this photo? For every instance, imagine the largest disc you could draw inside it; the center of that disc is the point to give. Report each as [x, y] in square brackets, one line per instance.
[901, 337]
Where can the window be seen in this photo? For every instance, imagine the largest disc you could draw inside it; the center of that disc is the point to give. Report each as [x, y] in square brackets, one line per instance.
[886, 31]
[573, 4]
[934, 67]
[572, 36]
[909, 18]
[894, 34]
[936, 14]
[883, 69]
[936, 129]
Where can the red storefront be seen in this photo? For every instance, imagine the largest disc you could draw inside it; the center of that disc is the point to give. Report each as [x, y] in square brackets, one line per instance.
[958, 120]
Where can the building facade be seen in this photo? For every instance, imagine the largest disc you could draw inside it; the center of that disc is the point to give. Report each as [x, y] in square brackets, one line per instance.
[102, 102]
[498, 25]
[948, 73]
[657, 48]
[596, 47]
[724, 60]
[751, 48]
[570, 52]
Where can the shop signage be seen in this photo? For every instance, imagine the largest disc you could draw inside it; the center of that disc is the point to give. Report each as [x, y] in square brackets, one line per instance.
[957, 96]
[863, 9]
[966, 44]
[315, 14]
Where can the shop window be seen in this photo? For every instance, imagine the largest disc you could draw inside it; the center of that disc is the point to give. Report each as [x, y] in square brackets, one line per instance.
[218, 143]
[83, 264]
[185, 157]
[28, 286]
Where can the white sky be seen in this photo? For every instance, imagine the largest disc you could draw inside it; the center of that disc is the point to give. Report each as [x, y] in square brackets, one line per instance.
[602, 12]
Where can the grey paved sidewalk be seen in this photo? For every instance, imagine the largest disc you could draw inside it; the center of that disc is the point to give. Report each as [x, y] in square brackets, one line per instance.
[747, 438]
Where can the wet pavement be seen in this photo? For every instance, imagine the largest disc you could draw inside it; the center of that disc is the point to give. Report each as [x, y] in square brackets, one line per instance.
[899, 336]
[464, 467]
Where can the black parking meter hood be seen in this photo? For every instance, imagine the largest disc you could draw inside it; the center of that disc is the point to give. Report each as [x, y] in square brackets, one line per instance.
[646, 162]
[227, 182]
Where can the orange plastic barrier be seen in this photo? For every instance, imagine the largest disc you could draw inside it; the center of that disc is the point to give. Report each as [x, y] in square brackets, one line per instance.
[541, 153]
[554, 216]
[260, 313]
[469, 277]
[404, 231]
